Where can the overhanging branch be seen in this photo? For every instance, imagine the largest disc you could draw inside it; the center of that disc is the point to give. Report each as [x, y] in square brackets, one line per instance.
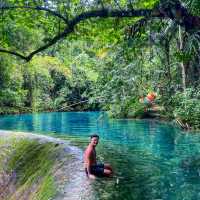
[178, 13]
[13, 53]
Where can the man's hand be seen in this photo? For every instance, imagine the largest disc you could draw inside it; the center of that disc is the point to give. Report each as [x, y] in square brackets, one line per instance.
[91, 176]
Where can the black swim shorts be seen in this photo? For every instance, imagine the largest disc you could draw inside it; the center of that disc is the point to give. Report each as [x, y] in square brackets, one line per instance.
[98, 169]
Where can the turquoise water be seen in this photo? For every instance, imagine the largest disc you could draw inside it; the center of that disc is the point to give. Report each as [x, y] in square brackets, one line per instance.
[151, 160]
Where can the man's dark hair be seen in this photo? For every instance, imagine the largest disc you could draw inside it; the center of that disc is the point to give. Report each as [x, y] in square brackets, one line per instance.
[94, 135]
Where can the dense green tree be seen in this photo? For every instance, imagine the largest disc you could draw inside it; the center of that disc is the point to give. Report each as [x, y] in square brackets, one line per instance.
[100, 54]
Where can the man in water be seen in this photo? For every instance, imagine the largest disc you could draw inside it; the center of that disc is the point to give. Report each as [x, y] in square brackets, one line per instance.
[93, 169]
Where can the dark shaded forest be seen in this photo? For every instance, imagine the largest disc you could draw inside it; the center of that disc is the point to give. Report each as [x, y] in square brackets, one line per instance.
[101, 55]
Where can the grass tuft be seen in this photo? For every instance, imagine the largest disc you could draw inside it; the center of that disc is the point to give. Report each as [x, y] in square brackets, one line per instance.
[31, 162]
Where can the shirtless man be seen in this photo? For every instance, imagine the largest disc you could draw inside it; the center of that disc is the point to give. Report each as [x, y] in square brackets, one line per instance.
[93, 169]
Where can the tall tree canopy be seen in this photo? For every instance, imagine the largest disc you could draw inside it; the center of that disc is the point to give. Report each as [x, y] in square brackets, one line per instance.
[60, 18]
[104, 53]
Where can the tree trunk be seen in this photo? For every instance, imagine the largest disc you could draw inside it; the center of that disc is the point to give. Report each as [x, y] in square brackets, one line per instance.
[168, 70]
[183, 67]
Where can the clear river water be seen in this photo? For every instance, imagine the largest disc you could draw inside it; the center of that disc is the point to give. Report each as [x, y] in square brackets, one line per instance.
[152, 160]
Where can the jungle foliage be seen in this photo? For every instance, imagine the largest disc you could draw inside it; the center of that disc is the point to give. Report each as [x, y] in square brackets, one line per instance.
[91, 55]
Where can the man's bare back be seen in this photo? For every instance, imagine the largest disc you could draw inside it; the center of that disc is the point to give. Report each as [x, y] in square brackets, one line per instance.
[89, 156]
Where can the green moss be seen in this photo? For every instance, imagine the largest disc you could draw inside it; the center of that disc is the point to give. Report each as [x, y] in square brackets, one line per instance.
[46, 190]
[32, 162]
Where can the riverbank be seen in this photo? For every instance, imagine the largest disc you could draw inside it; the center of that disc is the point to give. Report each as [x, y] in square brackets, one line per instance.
[24, 121]
[41, 167]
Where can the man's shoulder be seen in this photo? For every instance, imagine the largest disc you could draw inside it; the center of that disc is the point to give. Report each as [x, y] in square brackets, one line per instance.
[88, 150]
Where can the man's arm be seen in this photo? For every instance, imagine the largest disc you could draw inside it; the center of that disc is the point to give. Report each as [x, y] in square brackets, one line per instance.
[88, 157]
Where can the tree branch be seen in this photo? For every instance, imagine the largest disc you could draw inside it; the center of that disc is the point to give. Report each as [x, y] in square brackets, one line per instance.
[176, 12]
[13, 53]
[103, 13]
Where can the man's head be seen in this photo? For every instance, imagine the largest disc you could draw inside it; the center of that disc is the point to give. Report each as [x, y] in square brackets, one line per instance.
[94, 139]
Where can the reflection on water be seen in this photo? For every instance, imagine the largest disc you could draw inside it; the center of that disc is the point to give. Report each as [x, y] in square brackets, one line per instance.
[151, 160]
